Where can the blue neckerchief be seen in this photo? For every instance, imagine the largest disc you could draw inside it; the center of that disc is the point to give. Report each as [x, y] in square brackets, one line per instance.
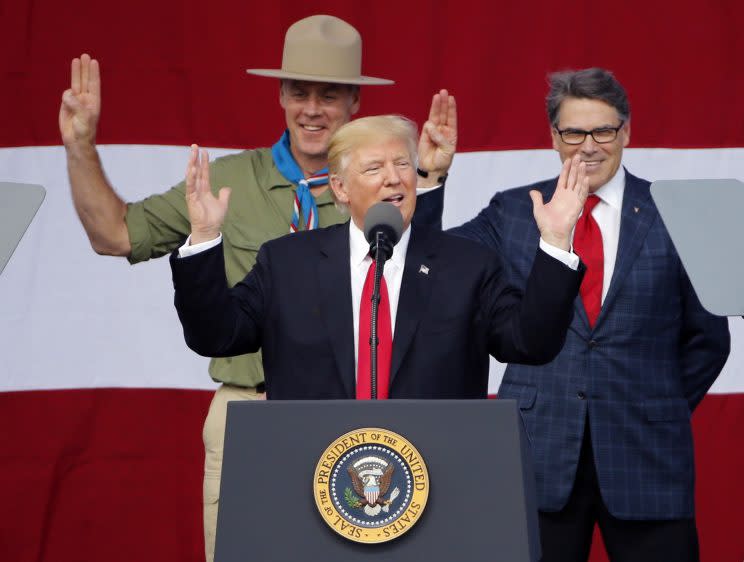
[304, 200]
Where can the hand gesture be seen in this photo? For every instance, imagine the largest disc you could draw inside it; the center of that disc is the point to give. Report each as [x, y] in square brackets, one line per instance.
[206, 212]
[557, 218]
[438, 139]
[81, 103]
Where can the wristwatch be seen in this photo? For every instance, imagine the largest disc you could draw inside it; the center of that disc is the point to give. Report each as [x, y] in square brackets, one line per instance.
[425, 174]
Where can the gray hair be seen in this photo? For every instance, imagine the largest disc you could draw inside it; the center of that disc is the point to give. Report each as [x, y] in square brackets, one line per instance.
[590, 83]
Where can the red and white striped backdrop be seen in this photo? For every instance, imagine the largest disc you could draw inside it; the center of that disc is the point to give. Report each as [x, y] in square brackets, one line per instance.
[101, 404]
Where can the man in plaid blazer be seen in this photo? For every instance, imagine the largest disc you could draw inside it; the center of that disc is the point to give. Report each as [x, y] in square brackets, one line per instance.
[609, 418]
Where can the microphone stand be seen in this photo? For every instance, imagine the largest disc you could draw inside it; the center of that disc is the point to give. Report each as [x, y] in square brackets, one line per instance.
[382, 249]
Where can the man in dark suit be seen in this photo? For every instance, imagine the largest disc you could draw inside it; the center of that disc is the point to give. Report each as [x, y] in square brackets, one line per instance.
[609, 418]
[447, 298]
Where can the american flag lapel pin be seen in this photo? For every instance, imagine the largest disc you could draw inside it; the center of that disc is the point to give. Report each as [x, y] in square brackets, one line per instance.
[423, 269]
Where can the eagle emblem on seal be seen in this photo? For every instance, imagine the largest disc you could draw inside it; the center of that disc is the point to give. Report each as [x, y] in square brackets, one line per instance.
[370, 478]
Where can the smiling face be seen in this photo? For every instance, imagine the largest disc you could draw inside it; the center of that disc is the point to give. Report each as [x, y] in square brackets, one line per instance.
[314, 111]
[377, 170]
[602, 160]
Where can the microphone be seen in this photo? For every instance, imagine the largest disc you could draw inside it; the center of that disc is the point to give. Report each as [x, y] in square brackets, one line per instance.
[383, 227]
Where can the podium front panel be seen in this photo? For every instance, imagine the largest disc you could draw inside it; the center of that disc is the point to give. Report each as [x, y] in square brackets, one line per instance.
[481, 503]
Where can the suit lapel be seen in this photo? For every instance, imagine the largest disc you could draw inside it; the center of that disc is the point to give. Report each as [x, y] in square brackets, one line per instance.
[415, 291]
[637, 215]
[334, 276]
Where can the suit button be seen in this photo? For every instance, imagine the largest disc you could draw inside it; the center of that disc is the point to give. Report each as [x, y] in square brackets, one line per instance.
[581, 395]
[592, 344]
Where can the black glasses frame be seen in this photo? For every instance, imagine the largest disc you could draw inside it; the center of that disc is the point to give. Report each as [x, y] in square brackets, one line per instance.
[592, 132]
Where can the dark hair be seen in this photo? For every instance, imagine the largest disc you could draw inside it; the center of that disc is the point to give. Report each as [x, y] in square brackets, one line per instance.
[590, 83]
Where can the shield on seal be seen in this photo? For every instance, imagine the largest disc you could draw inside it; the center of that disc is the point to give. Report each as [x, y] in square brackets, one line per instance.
[371, 493]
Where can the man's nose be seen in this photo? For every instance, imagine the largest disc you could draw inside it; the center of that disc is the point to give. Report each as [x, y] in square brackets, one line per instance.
[392, 174]
[589, 145]
[312, 105]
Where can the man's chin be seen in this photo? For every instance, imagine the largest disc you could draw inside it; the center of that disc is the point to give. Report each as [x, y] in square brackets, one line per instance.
[313, 149]
[596, 180]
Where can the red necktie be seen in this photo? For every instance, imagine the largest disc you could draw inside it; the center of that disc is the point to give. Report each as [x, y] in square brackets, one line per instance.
[587, 243]
[384, 336]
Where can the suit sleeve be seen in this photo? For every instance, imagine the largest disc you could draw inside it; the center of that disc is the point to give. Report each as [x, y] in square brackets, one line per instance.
[531, 327]
[218, 321]
[705, 345]
[429, 209]
[527, 327]
[485, 227]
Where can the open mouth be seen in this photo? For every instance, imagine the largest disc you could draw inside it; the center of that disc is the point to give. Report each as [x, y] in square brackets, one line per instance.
[396, 199]
[312, 128]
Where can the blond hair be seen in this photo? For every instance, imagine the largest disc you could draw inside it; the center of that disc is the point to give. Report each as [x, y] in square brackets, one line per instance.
[366, 130]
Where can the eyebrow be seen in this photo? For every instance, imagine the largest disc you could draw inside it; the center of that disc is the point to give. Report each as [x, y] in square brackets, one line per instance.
[569, 128]
[301, 89]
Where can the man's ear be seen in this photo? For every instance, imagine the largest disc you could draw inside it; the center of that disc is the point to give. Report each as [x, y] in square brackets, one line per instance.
[625, 132]
[356, 101]
[339, 188]
[282, 95]
[556, 138]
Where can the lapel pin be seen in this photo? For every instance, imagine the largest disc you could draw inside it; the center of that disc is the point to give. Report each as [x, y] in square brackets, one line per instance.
[635, 209]
[423, 269]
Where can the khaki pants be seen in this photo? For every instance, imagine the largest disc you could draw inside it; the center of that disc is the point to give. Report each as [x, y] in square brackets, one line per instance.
[214, 442]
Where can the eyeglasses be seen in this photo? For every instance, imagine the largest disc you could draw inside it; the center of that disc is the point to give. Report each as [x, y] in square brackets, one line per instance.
[601, 135]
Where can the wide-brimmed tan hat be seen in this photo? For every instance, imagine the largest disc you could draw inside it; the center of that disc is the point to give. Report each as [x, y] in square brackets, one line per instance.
[322, 49]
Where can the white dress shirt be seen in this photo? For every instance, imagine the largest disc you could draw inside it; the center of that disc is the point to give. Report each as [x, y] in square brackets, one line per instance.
[359, 261]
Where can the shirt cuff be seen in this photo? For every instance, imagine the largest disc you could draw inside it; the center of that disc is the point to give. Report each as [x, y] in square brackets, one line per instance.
[424, 190]
[187, 250]
[567, 258]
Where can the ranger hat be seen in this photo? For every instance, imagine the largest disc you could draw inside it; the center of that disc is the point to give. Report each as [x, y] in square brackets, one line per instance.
[322, 49]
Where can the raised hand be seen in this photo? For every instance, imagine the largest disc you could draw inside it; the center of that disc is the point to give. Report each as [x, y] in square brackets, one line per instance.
[438, 140]
[206, 212]
[557, 218]
[81, 103]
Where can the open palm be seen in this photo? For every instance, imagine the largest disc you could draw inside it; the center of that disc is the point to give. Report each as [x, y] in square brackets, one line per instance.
[206, 212]
[557, 218]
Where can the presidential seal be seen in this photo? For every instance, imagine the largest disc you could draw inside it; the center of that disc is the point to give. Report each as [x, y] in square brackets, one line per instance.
[371, 485]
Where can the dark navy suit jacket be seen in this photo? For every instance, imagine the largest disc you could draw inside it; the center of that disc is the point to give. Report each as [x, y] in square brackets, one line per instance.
[295, 305]
[636, 376]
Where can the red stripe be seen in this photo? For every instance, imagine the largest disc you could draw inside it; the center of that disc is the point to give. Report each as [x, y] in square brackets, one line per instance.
[115, 475]
[681, 66]
[103, 474]
[310, 219]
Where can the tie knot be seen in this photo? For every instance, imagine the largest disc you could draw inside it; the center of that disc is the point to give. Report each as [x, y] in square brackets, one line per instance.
[590, 203]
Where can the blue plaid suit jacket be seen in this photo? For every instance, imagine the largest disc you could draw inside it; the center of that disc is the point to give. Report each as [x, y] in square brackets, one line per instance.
[636, 377]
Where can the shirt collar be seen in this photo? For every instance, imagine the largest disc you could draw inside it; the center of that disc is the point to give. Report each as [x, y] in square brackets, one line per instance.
[612, 192]
[360, 247]
[273, 179]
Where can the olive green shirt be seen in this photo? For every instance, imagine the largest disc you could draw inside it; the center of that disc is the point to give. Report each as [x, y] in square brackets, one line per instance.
[260, 209]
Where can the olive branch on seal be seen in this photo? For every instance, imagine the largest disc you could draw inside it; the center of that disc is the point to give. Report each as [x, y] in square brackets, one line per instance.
[351, 499]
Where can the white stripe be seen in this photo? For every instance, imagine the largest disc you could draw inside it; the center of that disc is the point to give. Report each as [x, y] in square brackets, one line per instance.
[70, 318]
